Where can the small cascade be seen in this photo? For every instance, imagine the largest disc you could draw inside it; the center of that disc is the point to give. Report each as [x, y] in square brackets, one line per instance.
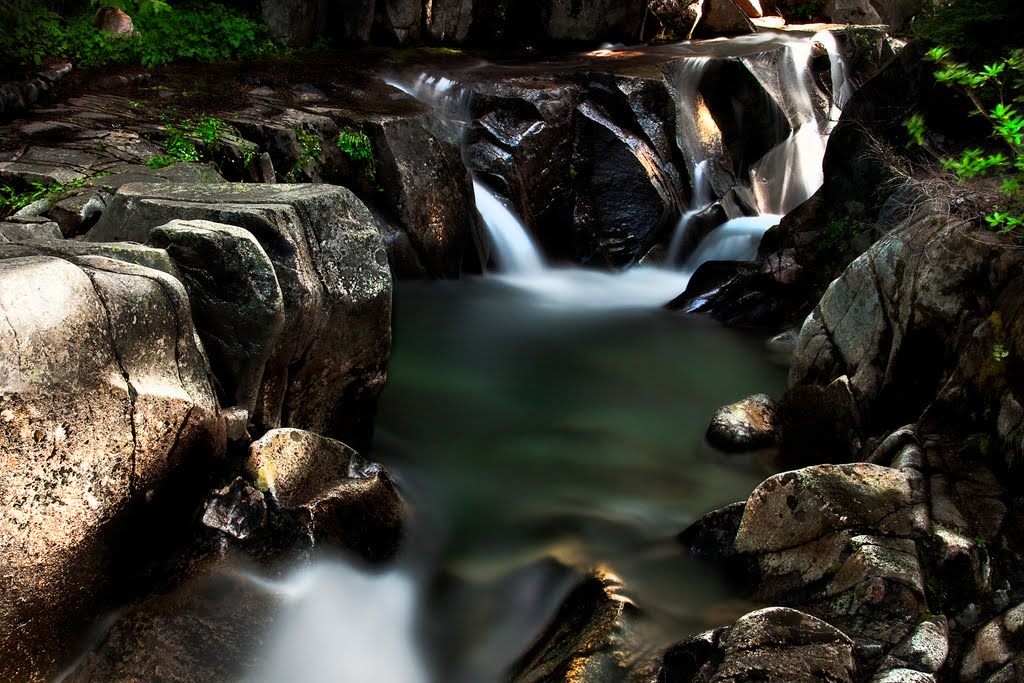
[790, 173]
[514, 250]
[701, 200]
[735, 240]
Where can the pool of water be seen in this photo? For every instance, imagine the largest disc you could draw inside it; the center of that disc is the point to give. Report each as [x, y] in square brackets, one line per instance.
[523, 427]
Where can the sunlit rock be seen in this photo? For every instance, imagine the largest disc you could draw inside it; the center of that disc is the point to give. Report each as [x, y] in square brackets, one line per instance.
[746, 425]
[104, 392]
[330, 263]
[339, 497]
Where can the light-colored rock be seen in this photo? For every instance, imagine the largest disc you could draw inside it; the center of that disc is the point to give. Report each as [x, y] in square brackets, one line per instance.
[104, 391]
[901, 675]
[344, 499]
[794, 508]
[746, 425]
[328, 369]
[927, 647]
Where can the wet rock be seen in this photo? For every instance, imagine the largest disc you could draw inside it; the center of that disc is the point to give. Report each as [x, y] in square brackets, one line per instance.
[107, 392]
[746, 425]
[340, 497]
[330, 263]
[210, 630]
[400, 20]
[429, 193]
[627, 195]
[588, 639]
[713, 535]
[521, 141]
[775, 644]
[238, 510]
[236, 300]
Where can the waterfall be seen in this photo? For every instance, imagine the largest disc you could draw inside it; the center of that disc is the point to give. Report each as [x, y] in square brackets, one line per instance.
[791, 172]
[514, 250]
[779, 181]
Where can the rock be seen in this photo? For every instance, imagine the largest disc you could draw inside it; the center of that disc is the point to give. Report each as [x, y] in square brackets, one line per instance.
[877, 322]
[902, 675]
[725, 17]
[236, 300]
[588, 639]
[627, 195]
[115, 21]
[428, 195]
[926, 648]
[678, 18]
[747, 425]
[752, 8]
[238, 510]
[212, 629]
[453, 21]
[106, 393]
[585, 20]
[794, 508]
[850, 12]
[713, 535]
[821, 423]
[28, 231]
[772, 644]
[340, 497]
[296, 22]
[77, 213]
[400, 21]
[127, 252]
[330, 263]
[993, 645]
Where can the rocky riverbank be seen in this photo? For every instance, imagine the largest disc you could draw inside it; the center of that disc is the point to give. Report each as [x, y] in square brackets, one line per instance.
[186, 356]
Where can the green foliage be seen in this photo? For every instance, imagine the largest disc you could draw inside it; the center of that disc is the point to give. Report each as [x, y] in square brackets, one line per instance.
[311, 151]
[802, 10]
[356, 145]
[13, 200]
[180, 143]
[994, 90]
[191, 31]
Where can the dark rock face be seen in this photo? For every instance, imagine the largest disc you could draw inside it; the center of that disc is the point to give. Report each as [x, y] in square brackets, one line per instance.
[106, 394]
[296, 22]
[329, 362]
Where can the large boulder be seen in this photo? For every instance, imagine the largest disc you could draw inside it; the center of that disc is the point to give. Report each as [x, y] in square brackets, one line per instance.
[105, 393]
[236, 301]
[330, 361]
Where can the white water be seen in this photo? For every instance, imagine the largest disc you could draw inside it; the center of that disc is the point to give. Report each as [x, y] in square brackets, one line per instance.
[513, 247]
[735, 240]
[341, 624]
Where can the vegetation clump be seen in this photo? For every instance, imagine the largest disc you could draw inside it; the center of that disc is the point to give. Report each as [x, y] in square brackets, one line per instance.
[356, 145]
[182, 138]
[190, 31]
[996, 91]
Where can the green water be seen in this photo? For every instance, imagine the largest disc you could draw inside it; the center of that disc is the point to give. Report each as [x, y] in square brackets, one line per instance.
[521, 429]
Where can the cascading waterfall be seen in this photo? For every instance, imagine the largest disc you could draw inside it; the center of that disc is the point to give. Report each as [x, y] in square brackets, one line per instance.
[514, 248]
[779, 181]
